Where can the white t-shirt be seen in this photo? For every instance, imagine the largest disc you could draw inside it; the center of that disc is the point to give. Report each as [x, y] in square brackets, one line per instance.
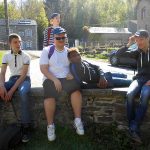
[58, 62]
[16, 62]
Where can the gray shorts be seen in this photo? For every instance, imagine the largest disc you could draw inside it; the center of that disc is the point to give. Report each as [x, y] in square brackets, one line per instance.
[69, 86]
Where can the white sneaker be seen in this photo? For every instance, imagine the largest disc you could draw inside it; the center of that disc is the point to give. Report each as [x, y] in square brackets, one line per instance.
[51, 132]
[79, 127]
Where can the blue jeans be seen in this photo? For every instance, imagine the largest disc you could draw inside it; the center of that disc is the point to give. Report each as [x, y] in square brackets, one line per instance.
[117, 79]
[136, 114]
[23, 89]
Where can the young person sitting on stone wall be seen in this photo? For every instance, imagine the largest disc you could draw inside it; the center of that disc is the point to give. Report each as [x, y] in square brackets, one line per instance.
[18, 61]
[140, 84]
[92, 76]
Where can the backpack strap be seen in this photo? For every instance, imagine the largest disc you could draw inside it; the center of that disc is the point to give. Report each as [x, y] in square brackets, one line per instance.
[49, 34]
[51, 51]
[74, 72]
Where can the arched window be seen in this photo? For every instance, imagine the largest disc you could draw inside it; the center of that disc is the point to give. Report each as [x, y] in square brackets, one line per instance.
[143, 13]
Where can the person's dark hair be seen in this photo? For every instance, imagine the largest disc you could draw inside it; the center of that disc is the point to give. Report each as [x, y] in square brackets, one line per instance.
[72, 49]
[12, 36]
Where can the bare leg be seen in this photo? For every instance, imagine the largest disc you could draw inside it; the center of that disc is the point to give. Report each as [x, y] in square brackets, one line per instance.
[49, 105]
[76, 102]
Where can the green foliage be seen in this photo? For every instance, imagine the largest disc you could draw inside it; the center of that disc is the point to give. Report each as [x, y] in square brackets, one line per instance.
[33, 9]
[1, 56]
[2, 14]
[13, 11]
[76, 14]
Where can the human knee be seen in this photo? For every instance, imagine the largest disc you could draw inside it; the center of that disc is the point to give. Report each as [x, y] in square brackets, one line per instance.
[145, 91]
[130, 96]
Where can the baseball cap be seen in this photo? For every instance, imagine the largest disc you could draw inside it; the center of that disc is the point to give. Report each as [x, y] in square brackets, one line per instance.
[142, 33]
[59, 30]
[54, 15]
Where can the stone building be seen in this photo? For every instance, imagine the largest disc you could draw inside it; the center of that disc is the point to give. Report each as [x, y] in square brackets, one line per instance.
[143, 17]
[27, 29]
[108, 36]
[143, 14]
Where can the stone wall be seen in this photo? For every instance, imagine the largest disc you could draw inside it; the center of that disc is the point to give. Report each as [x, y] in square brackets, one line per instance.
[99, 105]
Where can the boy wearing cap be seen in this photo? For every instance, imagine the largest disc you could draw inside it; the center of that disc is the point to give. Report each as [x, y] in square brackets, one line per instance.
[18, 62]
[140, 84]
[55, 70]
[54, 21]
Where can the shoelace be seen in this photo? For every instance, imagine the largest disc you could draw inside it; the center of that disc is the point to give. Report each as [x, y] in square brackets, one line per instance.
[51, 130]
[79, 125]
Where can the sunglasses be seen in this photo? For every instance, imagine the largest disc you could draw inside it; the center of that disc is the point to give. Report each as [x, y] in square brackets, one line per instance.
[60, 38]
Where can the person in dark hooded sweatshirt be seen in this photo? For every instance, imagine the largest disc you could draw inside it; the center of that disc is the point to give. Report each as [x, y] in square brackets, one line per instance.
[140, 84]
[89, 75]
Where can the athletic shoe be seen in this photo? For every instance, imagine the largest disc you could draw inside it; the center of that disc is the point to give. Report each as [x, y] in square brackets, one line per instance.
[51, 132]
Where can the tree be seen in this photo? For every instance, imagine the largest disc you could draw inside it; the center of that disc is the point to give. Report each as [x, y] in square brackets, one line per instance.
[34, 9]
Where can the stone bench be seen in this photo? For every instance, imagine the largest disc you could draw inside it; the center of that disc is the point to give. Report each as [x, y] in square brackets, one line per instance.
[99, 106]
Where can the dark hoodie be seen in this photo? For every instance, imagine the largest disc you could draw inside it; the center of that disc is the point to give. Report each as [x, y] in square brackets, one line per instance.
[86, 72]
[142, 58]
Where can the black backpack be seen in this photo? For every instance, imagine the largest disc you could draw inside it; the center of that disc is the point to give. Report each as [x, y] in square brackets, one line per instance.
[10, 135]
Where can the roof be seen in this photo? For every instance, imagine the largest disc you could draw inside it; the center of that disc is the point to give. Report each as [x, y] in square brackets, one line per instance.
[19, 22]
[108, 30]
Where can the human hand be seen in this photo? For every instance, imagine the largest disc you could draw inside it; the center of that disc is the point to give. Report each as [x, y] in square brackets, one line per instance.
[131, 40]
[3, 92]
[102, 82]
[57, 84]
[9, 95]
[148, 82]
[69, 76]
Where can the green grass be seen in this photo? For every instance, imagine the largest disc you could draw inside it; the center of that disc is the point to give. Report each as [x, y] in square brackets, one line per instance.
[97, 137]
[1, 56]
[66, 140]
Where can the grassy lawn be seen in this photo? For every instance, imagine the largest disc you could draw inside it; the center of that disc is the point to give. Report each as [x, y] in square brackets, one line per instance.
[1, 56]
[97, 137]
[101, 57]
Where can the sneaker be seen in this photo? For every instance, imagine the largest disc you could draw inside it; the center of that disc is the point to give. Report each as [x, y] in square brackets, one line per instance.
[25, 135]
[79, 127]
[51, 132]
[135, 137]
[25, 138]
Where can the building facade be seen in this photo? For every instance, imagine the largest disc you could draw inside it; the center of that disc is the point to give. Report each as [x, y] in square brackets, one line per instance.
[27, 29]
[143, 15]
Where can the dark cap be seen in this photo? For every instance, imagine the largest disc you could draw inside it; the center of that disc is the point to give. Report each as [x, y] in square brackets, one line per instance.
[59, 30]
[142, 33]
[54, 15]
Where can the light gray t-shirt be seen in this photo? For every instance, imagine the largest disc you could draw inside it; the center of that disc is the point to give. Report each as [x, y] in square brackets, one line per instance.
[58, 62]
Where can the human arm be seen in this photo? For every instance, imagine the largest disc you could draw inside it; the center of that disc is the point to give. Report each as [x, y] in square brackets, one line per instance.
[45, 40]
[125, 51]
[44, 67]
[69, 76]
[18, 82]
[3, 90]
[102, 80]
[50, 76]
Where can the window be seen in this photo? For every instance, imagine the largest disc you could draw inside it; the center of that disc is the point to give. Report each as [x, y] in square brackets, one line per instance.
[10, 31]
[28, 44]
[143, 13]
[146, 26]
[21, 34]
[28, 32]
[23, 46]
